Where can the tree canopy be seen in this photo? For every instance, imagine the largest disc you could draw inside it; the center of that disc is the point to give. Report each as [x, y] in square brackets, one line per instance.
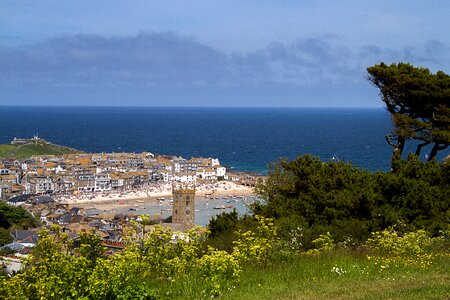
[347, 201]
[419, 103]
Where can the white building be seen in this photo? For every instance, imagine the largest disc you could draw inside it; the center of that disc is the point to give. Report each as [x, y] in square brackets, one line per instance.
[104, 169]
[102, 182]
[166, 176]
[206, 173]
[214, 162]
[39, 185]
[85, 182]
[220, 171]
[184, 177]
[59, 169]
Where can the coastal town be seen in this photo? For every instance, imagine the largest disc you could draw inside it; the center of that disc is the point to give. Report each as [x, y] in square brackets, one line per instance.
[82, 192]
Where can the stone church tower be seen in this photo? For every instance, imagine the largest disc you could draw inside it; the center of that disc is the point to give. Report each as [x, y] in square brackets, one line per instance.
[183, 205]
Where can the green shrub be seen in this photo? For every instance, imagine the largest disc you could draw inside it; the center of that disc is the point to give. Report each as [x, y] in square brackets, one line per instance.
[256, 245]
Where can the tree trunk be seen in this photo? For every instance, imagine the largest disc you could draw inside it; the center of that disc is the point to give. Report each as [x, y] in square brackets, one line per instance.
[419, 148]
[437, 147]
[401, 144]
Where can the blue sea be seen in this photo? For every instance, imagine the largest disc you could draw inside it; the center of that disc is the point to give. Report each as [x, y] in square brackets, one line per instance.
[245, 139]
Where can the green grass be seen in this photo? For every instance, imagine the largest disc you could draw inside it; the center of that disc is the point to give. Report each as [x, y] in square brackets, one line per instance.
[28, 150]
[313, 278]
[6, 150]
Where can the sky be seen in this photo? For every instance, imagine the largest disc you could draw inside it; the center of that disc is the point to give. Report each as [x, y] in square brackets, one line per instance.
[252, 53]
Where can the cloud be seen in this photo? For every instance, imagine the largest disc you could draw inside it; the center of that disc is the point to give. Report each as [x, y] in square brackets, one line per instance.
[143, 59]
[433, 55]
[166, 61]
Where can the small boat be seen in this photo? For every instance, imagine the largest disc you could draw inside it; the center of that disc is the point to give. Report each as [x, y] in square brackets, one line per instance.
[220, 207]
[229, 206]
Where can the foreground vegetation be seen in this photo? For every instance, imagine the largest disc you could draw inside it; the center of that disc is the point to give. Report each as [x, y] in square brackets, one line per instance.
[35, 148]
[310, 277]
[387, 265]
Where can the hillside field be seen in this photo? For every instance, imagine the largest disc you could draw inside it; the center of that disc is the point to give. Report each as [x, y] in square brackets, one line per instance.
[37, 148]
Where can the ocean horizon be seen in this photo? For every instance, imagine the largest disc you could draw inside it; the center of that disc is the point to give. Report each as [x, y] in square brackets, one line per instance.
[244, 139]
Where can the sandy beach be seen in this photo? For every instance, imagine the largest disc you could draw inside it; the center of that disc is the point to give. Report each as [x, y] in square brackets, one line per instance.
[150, 195]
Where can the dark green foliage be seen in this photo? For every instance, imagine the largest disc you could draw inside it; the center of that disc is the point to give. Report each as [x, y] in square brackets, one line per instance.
[16, 216]
[419, 103]
[223, 223]
[223, 227]
[418, 194]
[347, 201]
[319, 193]
[5, 237]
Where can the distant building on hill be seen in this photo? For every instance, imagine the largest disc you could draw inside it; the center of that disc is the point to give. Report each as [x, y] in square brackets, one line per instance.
[21, 141]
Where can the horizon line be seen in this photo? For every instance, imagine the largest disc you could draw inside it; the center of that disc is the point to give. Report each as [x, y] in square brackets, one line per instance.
[199, 106]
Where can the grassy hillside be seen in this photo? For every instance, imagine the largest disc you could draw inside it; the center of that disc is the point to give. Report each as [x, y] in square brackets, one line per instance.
[35, 148]
[341, 276]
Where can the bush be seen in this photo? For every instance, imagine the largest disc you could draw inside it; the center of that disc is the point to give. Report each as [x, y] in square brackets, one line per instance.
[410, 249]
[5, 237]
[257, 245]
[350, 203]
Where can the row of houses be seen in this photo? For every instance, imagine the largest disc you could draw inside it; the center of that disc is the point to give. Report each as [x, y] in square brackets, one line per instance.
[73, 221]
[101, 172]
